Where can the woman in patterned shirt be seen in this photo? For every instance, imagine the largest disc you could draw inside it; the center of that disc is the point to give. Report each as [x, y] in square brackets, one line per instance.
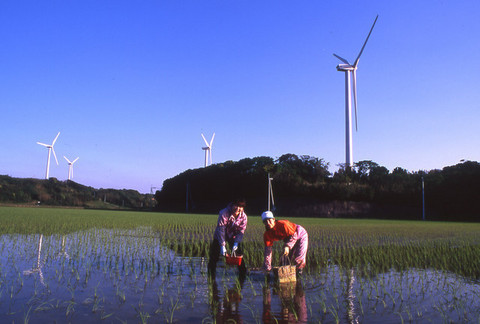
[231, 225]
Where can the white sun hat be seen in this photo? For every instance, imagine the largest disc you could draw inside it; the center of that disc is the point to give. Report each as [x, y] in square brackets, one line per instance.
[267, 215]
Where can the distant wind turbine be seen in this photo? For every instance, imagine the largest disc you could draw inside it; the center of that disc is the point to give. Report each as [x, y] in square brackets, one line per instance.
[70, 167]
[50, 149]
[349, 68]
[208, 149]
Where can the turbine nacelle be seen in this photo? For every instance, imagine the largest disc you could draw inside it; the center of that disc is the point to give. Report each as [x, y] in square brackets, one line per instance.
[345, 68]
[68, 161]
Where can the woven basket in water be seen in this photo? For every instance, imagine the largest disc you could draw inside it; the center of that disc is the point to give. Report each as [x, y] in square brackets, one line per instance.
[286, 272]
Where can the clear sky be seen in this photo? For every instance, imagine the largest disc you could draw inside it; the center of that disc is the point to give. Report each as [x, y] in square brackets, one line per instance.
[131, 85]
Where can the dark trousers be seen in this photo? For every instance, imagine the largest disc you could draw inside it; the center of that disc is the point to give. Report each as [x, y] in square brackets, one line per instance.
[214, 256]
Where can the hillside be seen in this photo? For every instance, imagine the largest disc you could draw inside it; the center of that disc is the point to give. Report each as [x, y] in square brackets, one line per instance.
[53, 192]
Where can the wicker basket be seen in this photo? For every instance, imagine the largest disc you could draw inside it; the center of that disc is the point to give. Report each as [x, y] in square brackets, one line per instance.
[286, 272]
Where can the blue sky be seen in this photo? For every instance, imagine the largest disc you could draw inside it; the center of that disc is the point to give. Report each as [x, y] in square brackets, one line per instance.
[131, 85]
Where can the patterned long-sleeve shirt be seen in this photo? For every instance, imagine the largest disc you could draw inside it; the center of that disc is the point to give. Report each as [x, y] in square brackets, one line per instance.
[230, 228]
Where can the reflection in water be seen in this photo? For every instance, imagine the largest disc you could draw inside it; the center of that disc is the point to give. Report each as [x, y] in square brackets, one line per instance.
[226, 309]
[350, 298]
[63, 252]
[131, 267]
[38, 267]
[40, 263]
[292, 303]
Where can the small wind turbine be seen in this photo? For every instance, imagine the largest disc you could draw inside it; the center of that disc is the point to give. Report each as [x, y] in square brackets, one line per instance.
[50, 149]
[208, 149]
[349, 68]
[70, 167]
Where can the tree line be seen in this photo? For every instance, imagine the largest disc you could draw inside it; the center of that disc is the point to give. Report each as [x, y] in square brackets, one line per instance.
[304, 186]
[53, 192]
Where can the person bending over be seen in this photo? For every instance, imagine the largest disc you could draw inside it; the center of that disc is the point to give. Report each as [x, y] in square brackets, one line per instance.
[294, 236]
[231, 225]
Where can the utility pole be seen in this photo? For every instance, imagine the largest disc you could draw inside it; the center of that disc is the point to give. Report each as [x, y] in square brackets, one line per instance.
[270, 192]
[423, 199]
[186, 198]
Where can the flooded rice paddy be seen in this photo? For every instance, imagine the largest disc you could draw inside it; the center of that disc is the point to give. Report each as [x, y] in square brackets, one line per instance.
[129, 276]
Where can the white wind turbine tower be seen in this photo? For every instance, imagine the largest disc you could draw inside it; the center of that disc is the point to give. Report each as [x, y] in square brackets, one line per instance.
[70, 167]
[349, 68]
[208, 149]
[50, 149]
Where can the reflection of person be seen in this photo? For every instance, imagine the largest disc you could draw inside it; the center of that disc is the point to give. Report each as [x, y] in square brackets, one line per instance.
[294, 236]
[226, 309]
[293, 304]
[231, 225]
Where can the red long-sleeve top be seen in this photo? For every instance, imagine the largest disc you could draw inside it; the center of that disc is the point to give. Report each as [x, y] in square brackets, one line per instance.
[282, 230]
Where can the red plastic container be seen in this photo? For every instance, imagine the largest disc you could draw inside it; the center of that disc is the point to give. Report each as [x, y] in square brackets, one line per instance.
[233, 260]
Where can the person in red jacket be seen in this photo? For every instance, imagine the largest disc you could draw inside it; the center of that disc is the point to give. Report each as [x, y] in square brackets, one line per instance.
[294, 236]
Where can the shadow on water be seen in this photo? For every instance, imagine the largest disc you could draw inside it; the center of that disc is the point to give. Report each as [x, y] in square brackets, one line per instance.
[113, 276]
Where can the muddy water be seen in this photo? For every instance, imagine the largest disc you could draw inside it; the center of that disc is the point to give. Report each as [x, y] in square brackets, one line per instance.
[128, 277]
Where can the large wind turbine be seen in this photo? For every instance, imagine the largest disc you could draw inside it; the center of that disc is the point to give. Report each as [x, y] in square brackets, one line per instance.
[50, 149]
[351, 68]
[70, 167]
[208, 149]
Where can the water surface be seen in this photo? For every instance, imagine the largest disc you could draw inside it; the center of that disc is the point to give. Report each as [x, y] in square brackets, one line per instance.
[127, 276]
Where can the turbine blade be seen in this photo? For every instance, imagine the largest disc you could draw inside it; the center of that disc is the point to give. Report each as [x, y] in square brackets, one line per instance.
[358, 57]
[211, 142]
[341, 59]
[67, 159]
[53, 143]
[46, 145]
[354, 88]
[54, 155]
[75, 160]
[206, 143]
[211, 161]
